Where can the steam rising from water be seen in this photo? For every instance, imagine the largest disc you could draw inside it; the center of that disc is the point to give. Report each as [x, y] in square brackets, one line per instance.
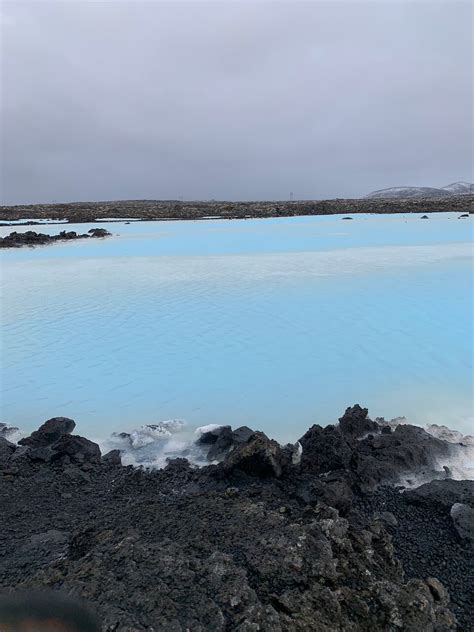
[152, 446]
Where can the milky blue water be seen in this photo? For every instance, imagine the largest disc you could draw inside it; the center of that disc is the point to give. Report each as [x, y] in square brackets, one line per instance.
[275, 323]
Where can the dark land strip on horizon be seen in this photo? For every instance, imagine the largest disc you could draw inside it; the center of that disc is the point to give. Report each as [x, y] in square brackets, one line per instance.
[86, 212]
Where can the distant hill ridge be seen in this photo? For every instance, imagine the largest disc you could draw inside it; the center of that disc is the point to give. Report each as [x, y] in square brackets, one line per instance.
[455, 188]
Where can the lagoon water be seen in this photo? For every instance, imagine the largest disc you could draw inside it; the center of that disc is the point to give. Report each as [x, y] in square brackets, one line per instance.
[276, 323]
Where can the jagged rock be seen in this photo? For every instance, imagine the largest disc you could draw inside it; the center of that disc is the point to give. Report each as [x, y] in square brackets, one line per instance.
[227, 441]
[42, 549]
[6, 450]
[19, 457]
[334, 493]
[220, 440]
[71, 234]
[220, 548]
[98, 232]
[242, 434]
[31, 238]
[260, 456]
[209, 437]
[49, 432]
[463, 519]
[357, 448]
[324, 450]
[40, 454]
[438, 591]
[355, 422]
[77, 449]
[389, 457]
[221, 446]
[112, 458]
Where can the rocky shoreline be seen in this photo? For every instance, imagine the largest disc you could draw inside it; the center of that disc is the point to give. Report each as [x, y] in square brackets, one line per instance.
[319, 535]
[178, 210]
[31, 238]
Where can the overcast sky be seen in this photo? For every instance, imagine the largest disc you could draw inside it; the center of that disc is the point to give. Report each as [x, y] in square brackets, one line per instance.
[233, 100]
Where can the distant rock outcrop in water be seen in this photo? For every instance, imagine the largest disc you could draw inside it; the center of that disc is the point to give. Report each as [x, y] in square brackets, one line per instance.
[314, 536]
[31, 238]
[456, 188]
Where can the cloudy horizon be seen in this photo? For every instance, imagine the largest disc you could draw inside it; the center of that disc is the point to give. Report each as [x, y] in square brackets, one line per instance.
[232, 100]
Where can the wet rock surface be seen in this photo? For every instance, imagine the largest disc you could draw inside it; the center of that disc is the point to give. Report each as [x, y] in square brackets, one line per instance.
[260, 541]
[31, 238]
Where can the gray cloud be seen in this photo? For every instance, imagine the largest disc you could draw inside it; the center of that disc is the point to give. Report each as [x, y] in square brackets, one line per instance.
[109, 100]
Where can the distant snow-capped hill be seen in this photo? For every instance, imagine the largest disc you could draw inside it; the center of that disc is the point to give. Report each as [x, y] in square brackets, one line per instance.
[409, 192]
[460, 188]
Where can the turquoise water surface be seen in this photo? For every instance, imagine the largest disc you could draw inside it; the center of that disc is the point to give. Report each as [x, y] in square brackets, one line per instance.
[275, 323]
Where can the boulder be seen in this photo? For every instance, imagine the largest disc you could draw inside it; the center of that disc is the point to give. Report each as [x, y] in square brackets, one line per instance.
[209, 437]
[463, 519]
[367, 454]
[387, 518]
[355, 422]
[227, 441]
[220, 440]
[98, 232]
[242, 434]
[407, 451]
[260, 456]
[49, 432]
[221, 446]
[324, 450]
[71, 234]
[334, 493]
[112, 458]
[77, 449]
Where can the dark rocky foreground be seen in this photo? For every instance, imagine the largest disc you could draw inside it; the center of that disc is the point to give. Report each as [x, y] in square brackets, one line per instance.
[311, 537]
[175, 209]
[31, 238]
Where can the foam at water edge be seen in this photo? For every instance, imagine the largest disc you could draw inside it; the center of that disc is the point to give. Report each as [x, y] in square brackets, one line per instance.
[209, 428]
[151, 445]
